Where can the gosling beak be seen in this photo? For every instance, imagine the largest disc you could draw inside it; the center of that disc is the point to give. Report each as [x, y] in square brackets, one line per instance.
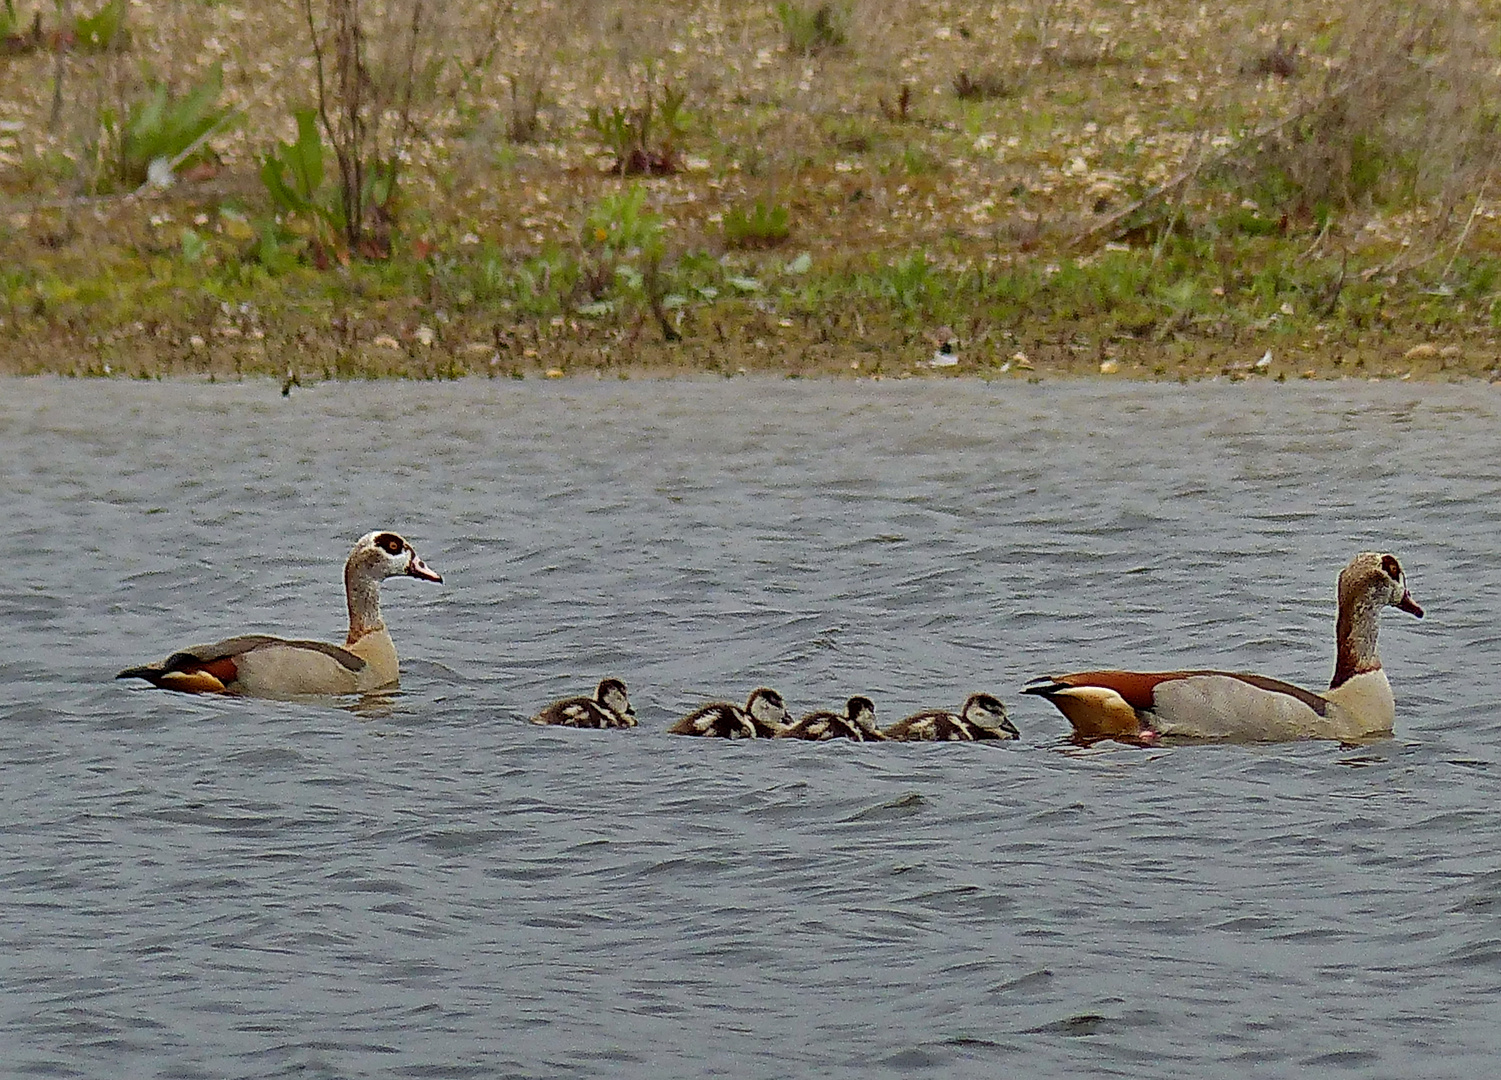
[1409, 605]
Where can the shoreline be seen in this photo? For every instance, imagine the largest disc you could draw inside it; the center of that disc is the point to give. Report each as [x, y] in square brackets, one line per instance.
[540, 352]
[640, 372]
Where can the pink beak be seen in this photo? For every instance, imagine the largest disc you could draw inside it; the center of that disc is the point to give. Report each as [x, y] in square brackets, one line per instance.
[1409, 605]
[419, 569]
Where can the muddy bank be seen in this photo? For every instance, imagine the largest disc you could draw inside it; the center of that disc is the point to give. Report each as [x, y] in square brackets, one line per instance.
[229, 345]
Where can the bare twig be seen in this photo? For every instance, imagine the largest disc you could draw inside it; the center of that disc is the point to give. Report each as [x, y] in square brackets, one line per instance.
[1174, 185]
[59, 68]
[1319, 239]
[354, 103]
[1327, 308]
[654, 297]
[1197, 156]
[485, 56]
[405, 128]
[349, 67]
[1464, 234]
[316, 39]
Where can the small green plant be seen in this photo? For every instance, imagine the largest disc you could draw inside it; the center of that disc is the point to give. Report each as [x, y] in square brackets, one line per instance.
[764, 225]
[643, 138]
[160, 134]
[918, 161]
[193, 246]
[615, 127]
[910, 282]
[292, 175]
[811, 30]
[271, 250]
[619, 227]
[540, 285]
[103, 31]
[624, 245]
[13, 40]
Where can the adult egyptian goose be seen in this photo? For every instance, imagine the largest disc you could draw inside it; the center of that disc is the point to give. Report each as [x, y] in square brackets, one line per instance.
[259, 665]
[764, 717]
[608, 708]
[982, 717]
[1138, 707]
[857, 723]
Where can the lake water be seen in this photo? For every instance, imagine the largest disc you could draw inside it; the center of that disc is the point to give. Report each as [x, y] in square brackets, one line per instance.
[430, 887]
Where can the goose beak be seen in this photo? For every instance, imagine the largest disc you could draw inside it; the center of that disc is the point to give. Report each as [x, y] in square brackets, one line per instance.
[419, 569]
[1409, 605]
[1007, 726]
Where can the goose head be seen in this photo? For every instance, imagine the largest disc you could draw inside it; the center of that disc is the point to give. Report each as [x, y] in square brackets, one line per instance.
[862, 713]
[611, 694]
[767, 707]
[986, 711]
[1376, 580]
[379, 555]
[1370, 582]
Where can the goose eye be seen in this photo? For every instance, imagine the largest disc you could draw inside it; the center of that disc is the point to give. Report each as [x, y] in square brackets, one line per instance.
[1392, 567]
[390, 543]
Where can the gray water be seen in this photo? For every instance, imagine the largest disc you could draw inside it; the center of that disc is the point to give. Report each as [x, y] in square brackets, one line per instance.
[427, 886]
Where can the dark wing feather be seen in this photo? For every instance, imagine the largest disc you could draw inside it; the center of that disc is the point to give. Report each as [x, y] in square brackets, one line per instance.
[715, 719]
[917, 727]
[339, 653]
[218, 658]
[197, 656]
[581, 712]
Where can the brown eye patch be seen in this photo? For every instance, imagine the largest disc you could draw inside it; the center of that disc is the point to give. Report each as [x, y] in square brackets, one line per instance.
[390, 543]
[1392, 567]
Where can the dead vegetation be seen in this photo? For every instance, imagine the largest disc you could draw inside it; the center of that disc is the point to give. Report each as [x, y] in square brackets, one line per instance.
[1106, 172]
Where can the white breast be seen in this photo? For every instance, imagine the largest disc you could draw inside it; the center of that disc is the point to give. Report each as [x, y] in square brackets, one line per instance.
[379, 653]
[1362, 706]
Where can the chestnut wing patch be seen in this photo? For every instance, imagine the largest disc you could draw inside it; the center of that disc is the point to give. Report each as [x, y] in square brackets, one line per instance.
[1138, 687]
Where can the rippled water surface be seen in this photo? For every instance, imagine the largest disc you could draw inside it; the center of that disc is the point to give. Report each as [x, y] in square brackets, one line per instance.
[430, 887]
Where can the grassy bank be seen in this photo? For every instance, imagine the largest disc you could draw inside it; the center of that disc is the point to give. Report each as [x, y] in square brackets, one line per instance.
[593, 187]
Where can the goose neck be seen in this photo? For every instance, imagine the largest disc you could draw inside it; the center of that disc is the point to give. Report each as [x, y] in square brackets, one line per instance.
[1355, 639]
[363, 594]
